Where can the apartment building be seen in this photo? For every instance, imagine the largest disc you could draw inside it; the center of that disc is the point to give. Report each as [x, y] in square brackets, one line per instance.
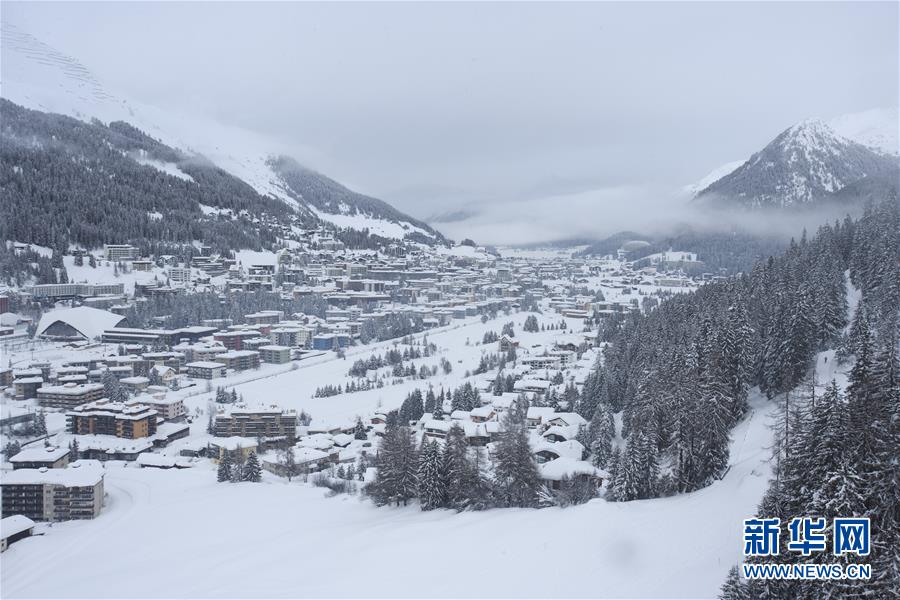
[205, 369]
[255, 421]
[120, 419]
[275, 354]
[75, 492]
[69, 395]
[239, 360]
[117, 252]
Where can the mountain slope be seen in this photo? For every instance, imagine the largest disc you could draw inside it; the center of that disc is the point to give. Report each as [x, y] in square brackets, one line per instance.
[333, 202]
[65, 181]
[37, 76]
[878, 129]
[805, 165]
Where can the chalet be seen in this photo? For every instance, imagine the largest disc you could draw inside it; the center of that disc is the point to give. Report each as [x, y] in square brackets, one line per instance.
[479, 434]
[555, 471]
[538, 416]
[507, 343]
[435, 429]
[535, 386]
[545, 451]
[482, 414]
[567, 419]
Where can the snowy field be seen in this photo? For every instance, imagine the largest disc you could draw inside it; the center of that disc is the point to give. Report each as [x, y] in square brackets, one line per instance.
[183, 535]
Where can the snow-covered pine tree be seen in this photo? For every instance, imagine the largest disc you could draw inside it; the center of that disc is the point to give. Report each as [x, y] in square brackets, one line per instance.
[223, 473]
[252, 470]
[516, 478]
[397, 464]
[359, 430]
[431, 483]
[73, 450]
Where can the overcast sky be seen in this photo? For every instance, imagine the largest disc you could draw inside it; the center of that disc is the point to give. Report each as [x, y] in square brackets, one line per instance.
[431, 106]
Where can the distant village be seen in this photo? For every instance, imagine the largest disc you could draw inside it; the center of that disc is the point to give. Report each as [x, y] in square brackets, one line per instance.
[83, 389]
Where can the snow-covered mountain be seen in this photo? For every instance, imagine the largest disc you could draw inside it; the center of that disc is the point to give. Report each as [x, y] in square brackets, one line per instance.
[877, 128]
[37, 76]
[809, 163]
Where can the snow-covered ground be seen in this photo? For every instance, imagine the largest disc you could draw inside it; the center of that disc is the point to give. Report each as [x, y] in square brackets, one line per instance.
[105, 271]
[183, 535]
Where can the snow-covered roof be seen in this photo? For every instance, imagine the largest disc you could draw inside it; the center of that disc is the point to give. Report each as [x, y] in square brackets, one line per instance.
[233, 443]
[342, 439]
[531, 384]
[305, 455]
[78, 474]
[568, 419]
[556, 469]
[540, 412]
[10, 526]
[436, 425]
[148, 459]
[319, 441]
[89, 322]
[205, 364]
[482, 411]
[39, 454]
[568, 449]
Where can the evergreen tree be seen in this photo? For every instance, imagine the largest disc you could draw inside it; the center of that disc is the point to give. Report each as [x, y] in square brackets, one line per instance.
[733, 588]
[359, 430]
[516, 478]
[40, 423]
[251, 470]
[397, 466]
[11, 449]
[224, 471]
[73, 450]
[431, 484]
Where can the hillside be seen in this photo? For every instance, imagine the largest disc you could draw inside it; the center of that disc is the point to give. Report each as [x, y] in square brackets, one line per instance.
[39, 77]
[65, 181]
[333, 202]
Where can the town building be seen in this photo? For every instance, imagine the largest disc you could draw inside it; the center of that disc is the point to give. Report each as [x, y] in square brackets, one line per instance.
[117, 252]
[75, 492]
[69, 395]
[239, 360]
[38, 457]
[256, 421]
[205, 369]
[120, 419]
[275, 354]
[170, 409]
